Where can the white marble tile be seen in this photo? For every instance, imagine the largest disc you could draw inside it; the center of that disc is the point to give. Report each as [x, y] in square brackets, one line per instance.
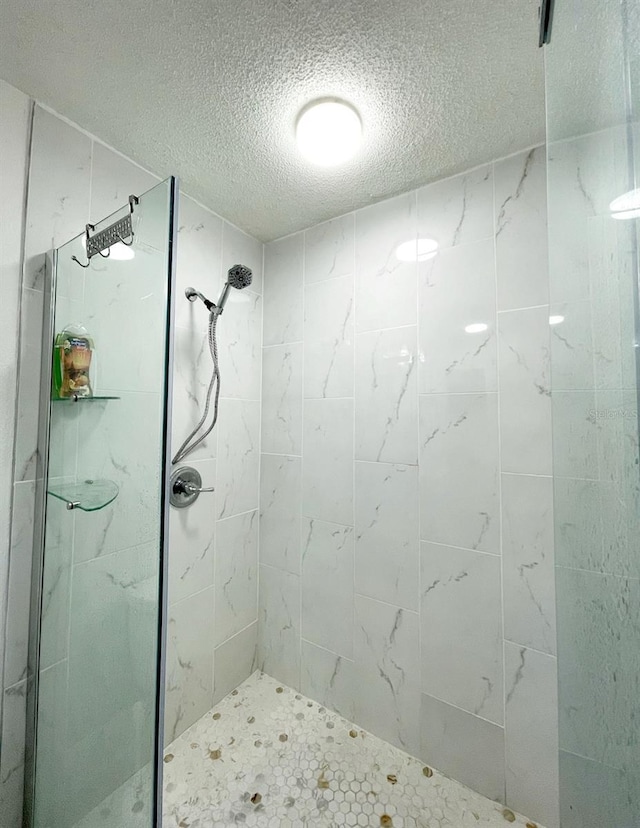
[113, 179]
[14, 710]
[198, 262]
[240, 248]
[125, 313]
[329, 338]
[64, 427]
[26, 439]
[459, 470]
[456, 289]
[266, 729]
[327, 586]
[525, 391]
[280, 506]
[598, 629]
[236, 575]
[192, 371]
[234, 661]
[283, 300]
[585, 174]
[521, 230]
[528, 561]
[617, 433]
[329, 678]
[465, 747]
[59, 187]
[114, 601]
[14, 128]
[130, 804]
[327, 476]
[240, 345]
[387, 669]
[19, 586]
[191, 540]
[282, 399]
[120, 440]
[386, 396]
[579, 510]
[575, 434]
[594, 794]
[386, 288]
[56, 584]
[531, 734]
[596, 524]
[457, 210]
[329, 249]
[189, 679]
[54, 801]
[387, 557]
[461, 618]
[238, 457]
[612, 269]
[279, 624]
[571, 341]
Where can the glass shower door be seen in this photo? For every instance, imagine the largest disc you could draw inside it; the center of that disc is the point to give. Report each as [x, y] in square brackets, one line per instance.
[96, 708]
[593, 89]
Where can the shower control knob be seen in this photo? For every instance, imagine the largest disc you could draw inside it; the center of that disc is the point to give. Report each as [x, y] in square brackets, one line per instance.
[185, 487]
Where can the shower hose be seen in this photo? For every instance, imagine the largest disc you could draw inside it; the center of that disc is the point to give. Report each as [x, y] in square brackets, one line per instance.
[191, 443]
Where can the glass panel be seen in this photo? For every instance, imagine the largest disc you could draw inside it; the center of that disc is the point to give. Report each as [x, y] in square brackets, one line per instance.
[95, 738]
[592, 96]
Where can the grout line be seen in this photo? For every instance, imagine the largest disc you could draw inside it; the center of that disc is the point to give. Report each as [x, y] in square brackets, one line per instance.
[462, 548]
[531, 649]
[326, 650]
[462, 710]
[238, 514]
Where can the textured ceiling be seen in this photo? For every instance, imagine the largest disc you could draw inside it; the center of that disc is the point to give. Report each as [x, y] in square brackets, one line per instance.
[210, 90]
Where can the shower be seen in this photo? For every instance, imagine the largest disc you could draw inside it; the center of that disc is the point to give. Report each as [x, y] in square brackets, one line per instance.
[239, 277]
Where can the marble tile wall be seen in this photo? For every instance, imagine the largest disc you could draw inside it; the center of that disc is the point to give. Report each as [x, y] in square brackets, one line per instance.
[593, 280]
[213, 547]
[213, 557]
[15, 113]
[406, 515]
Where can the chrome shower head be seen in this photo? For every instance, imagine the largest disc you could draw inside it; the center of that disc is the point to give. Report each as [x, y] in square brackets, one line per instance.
[238, 277]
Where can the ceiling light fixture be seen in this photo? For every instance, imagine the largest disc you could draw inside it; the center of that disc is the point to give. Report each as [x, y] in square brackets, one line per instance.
[556, 320]
[328, 132]
[476, 327]
[417, 250]
[626, 206]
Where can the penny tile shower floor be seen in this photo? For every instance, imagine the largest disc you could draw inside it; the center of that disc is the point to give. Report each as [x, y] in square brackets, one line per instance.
[267, 756]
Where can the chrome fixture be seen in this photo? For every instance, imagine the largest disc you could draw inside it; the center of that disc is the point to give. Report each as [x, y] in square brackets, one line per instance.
[238, 277]
[186, 486]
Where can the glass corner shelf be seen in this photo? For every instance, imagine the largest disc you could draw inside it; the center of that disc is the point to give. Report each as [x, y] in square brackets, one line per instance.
[75, 399]
[87, 495]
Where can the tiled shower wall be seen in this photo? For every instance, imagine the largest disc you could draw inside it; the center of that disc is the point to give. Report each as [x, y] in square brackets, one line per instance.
[593, 280]
[73, 179]
[406, 518]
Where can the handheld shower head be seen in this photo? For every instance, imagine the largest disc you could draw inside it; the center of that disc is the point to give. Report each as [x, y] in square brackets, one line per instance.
[238, 277]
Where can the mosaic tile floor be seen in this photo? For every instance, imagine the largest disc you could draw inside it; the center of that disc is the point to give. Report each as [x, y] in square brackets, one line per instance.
[266, 756]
